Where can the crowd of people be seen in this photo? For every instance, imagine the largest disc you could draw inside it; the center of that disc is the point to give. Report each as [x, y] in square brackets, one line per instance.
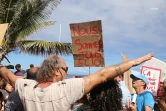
[46, 88]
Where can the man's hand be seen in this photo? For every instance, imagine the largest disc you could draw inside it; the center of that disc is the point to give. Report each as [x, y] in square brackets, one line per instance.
[131, 106]
[143, 59]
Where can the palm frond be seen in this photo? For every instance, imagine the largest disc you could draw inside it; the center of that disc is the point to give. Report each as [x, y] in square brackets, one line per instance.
[44, 48]
[28, 13]
[7, 10]
[31, 30]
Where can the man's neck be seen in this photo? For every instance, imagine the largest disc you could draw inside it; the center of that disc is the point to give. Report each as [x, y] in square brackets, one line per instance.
[139, 90]
[44, 84]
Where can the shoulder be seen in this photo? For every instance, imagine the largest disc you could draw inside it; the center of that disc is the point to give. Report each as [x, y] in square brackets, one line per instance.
[23, 82]
[147, 94]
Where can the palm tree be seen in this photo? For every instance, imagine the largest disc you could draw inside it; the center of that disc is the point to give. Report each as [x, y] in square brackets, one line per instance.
[25, 17]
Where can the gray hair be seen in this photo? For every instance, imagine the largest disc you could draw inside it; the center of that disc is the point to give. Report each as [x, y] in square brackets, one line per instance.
[46, 72]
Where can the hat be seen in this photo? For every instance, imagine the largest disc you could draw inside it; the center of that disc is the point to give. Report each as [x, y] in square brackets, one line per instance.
[140, 76]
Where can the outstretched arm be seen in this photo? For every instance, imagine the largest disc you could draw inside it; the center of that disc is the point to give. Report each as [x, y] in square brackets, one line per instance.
[8, 76]
[111, 72]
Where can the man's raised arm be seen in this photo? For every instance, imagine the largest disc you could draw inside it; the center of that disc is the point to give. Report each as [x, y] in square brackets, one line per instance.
[8, 76]
[111, 72]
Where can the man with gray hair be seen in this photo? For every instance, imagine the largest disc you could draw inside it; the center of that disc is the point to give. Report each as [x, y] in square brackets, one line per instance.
[50, 92]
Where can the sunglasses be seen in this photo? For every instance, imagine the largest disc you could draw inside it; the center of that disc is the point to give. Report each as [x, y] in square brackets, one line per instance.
[65, 69]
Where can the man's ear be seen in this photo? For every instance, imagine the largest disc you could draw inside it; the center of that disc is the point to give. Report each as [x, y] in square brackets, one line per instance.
[57, 72]
[143, 83]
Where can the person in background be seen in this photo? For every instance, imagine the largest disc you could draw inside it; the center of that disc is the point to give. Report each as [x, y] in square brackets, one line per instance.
[8, 88]
[125, 91]
[161, 102]
[31, 65]
[14, 103]
[106, 97]
[31, 73]
[51, 92]
[144, 100]
[19, 71]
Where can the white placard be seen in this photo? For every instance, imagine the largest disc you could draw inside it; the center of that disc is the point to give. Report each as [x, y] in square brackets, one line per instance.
[153, 75]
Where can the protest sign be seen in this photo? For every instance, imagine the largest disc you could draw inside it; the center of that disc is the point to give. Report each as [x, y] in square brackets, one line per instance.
[153, 75]
[87, 44]
[3, 28]
[156, 63]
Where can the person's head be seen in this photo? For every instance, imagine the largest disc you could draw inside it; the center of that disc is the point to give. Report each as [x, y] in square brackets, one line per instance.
[162, 90]
[31, 73]
[6, 86]
[119, 78]
[106, 97]
[31, 65]
[53, 69]
[139, 80]
[18, 67]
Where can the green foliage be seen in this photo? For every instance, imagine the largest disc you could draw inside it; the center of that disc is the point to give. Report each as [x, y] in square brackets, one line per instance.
[25, 17]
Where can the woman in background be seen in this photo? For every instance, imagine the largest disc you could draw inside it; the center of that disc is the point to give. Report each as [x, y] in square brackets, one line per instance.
[106, 97]
[161, 102]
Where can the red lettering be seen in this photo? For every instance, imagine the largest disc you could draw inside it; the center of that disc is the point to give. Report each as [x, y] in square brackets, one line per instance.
[80, 62]
[75, 30]
[151, 79]
[152, 83]
[89, 54]
[149, 88]
[88, 62]
[100, 44]
[84, 30]
[89, 45]
[148, 74]
[94, 31]
[85, 64]
[78, 43]
[97, 54]
[96, 62]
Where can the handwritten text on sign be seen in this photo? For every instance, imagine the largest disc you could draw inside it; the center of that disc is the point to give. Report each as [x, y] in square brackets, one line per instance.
[87, 44]
[153, 75]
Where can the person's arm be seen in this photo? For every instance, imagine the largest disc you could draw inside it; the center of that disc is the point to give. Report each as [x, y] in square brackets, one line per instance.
[149, 101]
[111, 72]
[147, 108]
[8, 76]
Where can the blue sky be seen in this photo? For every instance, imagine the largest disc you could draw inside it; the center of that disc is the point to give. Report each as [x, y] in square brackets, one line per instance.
[134, 27]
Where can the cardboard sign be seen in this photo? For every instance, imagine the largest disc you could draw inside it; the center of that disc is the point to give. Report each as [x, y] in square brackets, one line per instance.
[3, 28]
[153, 75]
[87, 44]
[157, 64]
